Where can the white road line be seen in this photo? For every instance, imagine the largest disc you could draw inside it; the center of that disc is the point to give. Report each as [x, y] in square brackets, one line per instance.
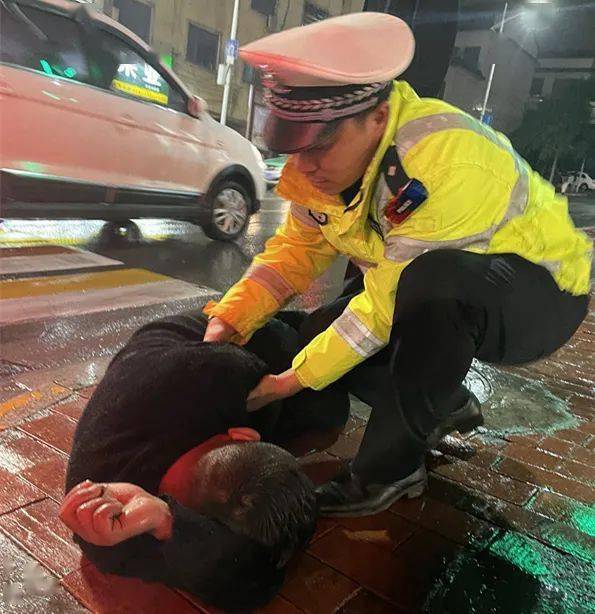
[53, 262]
[65, 304]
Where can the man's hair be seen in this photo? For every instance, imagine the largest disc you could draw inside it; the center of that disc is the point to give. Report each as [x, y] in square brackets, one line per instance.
[257, 490]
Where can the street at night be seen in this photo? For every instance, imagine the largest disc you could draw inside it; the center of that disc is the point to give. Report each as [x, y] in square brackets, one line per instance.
[296, 306]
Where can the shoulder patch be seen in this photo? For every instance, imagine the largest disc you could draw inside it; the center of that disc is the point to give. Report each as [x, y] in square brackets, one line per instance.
[321, 218]
[394, 175]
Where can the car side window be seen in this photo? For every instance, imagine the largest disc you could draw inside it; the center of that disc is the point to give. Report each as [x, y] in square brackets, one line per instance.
[133, 76]
[44, 42]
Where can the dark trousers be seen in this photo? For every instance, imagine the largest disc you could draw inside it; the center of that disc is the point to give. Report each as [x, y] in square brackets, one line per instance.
[451, 306]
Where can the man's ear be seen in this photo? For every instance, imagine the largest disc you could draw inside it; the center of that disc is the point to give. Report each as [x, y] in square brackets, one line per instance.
[243, 433]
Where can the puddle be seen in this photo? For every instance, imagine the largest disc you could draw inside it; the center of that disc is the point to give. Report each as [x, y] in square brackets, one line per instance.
[516, 405]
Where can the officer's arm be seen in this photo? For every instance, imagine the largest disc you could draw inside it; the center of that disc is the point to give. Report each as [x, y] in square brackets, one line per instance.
[464, 201]
[296, 255]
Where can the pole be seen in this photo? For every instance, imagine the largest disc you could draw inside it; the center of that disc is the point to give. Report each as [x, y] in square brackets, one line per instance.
[492, 69]
[250, 118]
[229, 62]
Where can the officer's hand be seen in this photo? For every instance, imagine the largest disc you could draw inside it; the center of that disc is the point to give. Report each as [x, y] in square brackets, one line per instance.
[108, 513]
[219, 330]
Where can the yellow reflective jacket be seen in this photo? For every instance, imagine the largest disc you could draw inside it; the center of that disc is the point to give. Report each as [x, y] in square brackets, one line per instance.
[482, 198]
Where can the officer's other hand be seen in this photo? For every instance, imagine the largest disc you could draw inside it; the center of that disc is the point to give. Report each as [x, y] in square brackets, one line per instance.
[219, 330]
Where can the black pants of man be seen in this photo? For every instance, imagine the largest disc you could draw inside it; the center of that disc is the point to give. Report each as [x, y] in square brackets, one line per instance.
[451, 306]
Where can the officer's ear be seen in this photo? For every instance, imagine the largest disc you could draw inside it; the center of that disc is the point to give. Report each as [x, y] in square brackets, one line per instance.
[379, 117]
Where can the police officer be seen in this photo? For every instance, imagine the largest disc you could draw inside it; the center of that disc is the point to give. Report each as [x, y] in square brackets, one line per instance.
[463, 251]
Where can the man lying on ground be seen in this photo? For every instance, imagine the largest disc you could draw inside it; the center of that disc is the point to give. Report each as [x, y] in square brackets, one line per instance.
[167, 479]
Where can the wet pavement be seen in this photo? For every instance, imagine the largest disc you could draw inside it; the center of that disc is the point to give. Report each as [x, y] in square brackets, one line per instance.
[507, 524]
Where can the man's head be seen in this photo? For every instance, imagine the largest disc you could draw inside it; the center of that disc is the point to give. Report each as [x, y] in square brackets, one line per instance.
[257, 490]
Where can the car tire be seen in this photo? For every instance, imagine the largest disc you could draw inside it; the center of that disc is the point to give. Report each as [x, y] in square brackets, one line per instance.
[583, 187]
[230, 205]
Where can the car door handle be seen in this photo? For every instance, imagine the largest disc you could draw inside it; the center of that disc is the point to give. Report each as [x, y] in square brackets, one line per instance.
[5, 88]
[128, 120]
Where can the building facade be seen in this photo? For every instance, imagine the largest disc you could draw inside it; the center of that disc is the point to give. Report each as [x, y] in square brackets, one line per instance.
[513, 53]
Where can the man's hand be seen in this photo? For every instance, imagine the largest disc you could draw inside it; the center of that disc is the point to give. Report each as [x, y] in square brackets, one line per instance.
[272, 388]
[109, 513]
[219, 330]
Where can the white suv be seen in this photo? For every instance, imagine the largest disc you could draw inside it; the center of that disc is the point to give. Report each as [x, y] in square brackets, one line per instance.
[94, 125]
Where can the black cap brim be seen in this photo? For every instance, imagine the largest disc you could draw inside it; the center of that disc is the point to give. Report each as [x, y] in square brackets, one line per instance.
[285, 136]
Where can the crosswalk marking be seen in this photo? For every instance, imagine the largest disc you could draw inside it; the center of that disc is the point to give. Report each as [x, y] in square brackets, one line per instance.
[81, 282]
[46, 258]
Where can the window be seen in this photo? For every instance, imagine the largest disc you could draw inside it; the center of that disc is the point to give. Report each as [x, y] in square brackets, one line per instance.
[132, 75]
[203, 47]
[44, 42]
[135, 15]
[265, 7]
[313, 13]
[247, 73]
[471, 57]
[537, 86]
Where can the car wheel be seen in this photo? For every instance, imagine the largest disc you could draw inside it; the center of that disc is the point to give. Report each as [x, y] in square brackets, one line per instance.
[229, 205]
[583, 187]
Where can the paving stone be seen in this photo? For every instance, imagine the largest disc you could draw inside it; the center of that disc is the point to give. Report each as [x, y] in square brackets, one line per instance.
[347, 446]
[588, 427]
[556, 446]
[43, 596]
[578, 471]
[485, 458]
[548, 479]
[18, 408]
[530, 441]
[583, 455]
[279, 605]
[321, 467]
[109, 594]
[49, 477]
[19, 451]
[39, 531]
[487, 481]
[323, 526]
[56, 430]
[86, 392]
[72, 407]
[532, 456]
[16, 492]
[314, 587]
[573, 435]
[567, 510]
[365, 602]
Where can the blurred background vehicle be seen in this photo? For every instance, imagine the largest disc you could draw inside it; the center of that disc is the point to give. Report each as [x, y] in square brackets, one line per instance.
[272, 172]
[94, 125]
[583, 182]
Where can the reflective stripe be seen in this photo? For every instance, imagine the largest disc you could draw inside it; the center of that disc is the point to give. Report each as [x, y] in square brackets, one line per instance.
[363, 265]
[272, 281]
[357, 334]
[301, 214]
[411, 133]
[401, 249]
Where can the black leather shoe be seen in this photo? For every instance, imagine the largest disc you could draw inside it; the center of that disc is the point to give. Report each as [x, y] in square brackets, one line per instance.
[348, 496]
[463, 420]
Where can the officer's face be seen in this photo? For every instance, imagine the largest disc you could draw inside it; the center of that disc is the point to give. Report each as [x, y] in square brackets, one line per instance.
[336, 163]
